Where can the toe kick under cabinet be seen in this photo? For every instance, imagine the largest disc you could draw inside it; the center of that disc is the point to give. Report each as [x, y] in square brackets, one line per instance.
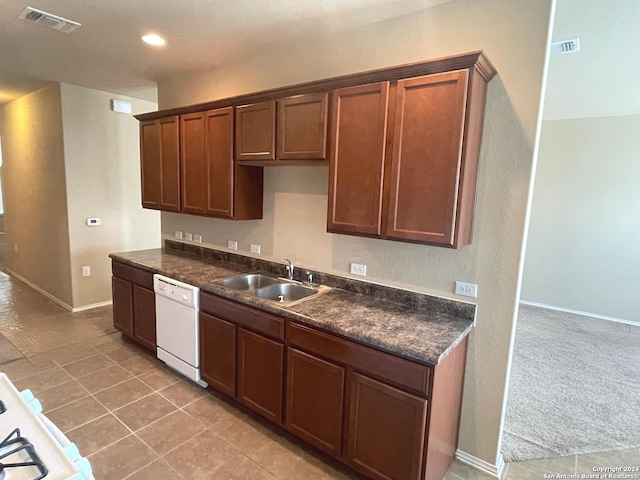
[384, 416]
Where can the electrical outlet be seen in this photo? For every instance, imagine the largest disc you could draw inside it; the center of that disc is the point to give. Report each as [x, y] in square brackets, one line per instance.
[357, 269]
[255, 248]
[197, 237]
[86, 271]
[15, 247]
[467, 289]
[232, 244]
[177, 234]
[188, 236]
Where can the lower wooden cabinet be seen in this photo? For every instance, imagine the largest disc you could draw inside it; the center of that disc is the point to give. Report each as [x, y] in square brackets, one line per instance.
[122, 305]
[218, 353]
[383, 416]
[386, 430]
[315, 400]
[144, 316]
[260, 374]
[134, 305]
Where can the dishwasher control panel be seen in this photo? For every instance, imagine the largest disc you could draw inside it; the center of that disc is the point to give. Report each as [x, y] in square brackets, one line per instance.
[175, 290]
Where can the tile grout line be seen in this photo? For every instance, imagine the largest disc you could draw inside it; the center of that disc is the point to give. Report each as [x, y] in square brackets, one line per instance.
[180, 477]
[133, 433]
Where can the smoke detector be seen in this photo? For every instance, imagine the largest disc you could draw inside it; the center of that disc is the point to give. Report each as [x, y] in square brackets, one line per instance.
[567, 46]
[48, 20]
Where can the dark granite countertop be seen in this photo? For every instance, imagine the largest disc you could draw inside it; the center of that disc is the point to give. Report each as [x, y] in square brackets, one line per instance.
[416, 326]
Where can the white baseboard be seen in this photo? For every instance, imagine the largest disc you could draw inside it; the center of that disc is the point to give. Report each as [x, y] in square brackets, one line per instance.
[578, 312]
[494, 471]
[43, 292]
[57, 300]
[91, 306]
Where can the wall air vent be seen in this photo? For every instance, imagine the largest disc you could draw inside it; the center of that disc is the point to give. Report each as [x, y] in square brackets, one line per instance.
[568, 46]
[48, 20]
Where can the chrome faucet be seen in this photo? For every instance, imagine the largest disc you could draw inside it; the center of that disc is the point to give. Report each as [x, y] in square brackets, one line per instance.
[289, 268]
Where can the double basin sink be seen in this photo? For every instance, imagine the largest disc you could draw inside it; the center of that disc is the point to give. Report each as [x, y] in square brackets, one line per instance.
[272, 288]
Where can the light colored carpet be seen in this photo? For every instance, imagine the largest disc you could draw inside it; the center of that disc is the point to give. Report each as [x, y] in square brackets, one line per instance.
[575, 386]
[8, 352]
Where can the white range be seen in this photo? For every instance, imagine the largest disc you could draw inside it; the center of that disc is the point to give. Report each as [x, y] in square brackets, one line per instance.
[31, 446]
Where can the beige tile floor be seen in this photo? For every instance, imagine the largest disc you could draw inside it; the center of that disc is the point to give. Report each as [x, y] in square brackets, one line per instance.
[137, 420]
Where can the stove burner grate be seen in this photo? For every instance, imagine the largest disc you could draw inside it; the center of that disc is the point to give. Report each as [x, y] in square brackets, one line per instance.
[15, 443]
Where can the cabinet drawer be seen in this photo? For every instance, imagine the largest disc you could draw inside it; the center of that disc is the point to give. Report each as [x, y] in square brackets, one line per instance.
[132, 274]
[395, 370]
[244, 316]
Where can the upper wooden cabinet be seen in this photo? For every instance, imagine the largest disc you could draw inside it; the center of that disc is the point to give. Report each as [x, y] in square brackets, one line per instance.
[402, 144]
[302, 127]
[211, 184]
[193, 162]
[256, 131]
[160, 164]
[297, 134]
[359, 123]
[426, 163]
[424, 189]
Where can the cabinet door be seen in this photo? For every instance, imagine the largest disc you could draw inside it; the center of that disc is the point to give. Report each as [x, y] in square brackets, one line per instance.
[315, 399]
[218, 353]
[170, 164]
[144, 316]
[386, 430]
[193, 163]
[260, 369]
[302, 127]
[151, 164]
[122, 305]
[219, 162]
[427, 147]
[359, 122]
[256, 131]
[160, 164]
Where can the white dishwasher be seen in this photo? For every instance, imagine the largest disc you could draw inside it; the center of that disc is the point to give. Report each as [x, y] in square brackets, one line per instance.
[177, 329]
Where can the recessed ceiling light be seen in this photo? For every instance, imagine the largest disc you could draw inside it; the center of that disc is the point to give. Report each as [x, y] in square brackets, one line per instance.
[154, 40]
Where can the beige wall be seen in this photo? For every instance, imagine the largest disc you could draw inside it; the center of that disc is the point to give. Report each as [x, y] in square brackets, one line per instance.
[514, 35]
[582, 250]
[102, 159]
[34, 191]
[68, 157]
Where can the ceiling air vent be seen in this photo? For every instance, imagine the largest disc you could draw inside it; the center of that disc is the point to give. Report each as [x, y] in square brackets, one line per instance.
[568, 46]
[48, 20]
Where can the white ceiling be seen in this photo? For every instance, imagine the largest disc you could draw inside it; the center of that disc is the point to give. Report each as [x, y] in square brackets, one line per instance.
[603, 78]
[106, 53]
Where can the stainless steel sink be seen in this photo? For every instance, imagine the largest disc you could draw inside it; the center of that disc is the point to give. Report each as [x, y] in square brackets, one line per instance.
[249, 281]
[286, 292]
[268, 287]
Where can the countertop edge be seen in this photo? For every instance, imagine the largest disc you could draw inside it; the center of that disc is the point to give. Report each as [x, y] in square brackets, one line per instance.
[269, 307]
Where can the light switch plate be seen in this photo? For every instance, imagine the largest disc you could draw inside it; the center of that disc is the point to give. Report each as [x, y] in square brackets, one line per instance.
[197, 237]
[188, 236]
[177, 234]
[255, 248]
[232, 244]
